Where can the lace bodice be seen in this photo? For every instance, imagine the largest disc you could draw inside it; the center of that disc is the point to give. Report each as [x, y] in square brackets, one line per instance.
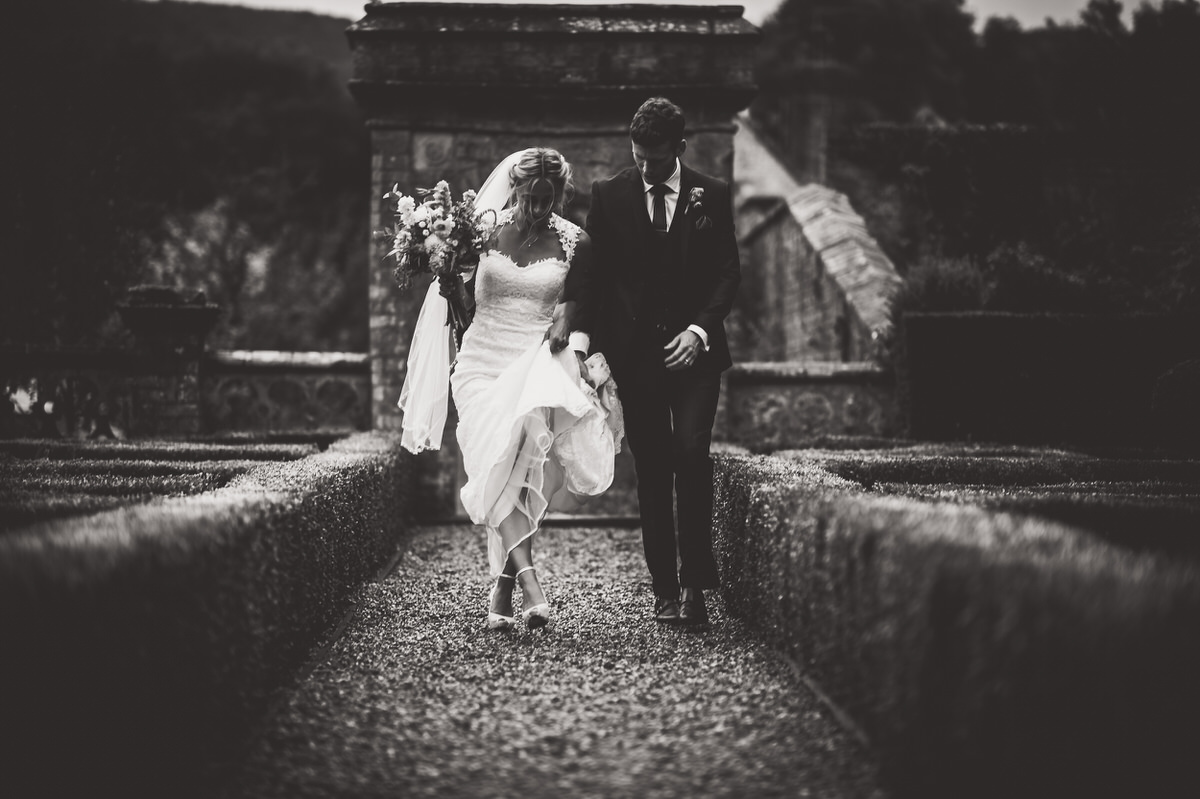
[509, 297]
[568, 236]
[523, 411]
[568, 232]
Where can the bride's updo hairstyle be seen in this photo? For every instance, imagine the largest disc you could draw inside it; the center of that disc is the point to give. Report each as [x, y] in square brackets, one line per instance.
[543, 164]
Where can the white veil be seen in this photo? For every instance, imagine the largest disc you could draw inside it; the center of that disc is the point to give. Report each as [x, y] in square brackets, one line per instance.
[425, 396]
[496, 190]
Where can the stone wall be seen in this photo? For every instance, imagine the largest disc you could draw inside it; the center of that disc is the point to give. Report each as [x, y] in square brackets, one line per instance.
[777, 406]
[1042, 378]
[816, 284]
[790, 308]
[294, 392]
[79, 393]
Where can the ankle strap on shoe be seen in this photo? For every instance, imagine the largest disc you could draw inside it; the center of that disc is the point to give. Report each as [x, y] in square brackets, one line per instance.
[522, 571]
[506, 576]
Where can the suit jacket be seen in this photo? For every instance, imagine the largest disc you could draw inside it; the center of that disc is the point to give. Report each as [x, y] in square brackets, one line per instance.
[612, 294]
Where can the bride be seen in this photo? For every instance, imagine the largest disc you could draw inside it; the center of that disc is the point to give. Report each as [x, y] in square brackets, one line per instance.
[538, 425]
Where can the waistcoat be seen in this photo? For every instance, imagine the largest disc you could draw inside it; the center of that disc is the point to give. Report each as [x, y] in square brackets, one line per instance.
[664, 290]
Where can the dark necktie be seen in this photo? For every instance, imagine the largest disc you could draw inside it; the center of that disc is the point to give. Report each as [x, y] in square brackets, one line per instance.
[660, 206]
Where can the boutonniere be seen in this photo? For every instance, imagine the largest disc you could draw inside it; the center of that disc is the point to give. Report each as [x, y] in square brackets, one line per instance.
[695, 208]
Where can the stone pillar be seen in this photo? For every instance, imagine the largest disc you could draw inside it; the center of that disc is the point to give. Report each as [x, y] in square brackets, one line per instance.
[449, 89]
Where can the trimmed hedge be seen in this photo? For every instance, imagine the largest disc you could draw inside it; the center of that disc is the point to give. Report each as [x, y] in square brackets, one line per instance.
[142, 643]
[1004, 467]
[102, 468]
[118, 485]
[191, 451]
[984, 654]
[42, 488]
[21, 508]
[1161, 518]
[1138, 503]
[50, 479]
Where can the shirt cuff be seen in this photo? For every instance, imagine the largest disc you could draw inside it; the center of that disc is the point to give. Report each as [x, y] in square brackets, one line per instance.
[579, 341]
[699, 331]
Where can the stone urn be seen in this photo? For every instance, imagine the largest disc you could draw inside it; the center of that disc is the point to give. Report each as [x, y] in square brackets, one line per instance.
[168, 318]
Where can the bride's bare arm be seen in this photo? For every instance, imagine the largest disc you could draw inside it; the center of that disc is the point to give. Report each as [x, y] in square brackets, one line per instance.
[568, 313]
[560, 327]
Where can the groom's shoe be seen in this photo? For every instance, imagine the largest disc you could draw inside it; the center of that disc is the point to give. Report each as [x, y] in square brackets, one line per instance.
[692, 611]
[666, 610]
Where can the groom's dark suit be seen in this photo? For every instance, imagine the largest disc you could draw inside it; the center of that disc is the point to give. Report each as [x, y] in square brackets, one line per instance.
[643, 288]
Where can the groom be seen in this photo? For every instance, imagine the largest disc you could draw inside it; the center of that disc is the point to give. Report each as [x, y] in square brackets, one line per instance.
[663, 277]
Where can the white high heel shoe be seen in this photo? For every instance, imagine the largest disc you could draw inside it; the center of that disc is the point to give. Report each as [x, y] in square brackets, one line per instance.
[538, 615]
[497, 621]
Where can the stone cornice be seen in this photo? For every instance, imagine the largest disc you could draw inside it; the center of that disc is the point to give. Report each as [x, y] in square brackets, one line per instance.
[536, 19]
[786, 372]
[473, 56]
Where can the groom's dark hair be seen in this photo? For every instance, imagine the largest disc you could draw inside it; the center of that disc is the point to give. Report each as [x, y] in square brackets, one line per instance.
[658, 121]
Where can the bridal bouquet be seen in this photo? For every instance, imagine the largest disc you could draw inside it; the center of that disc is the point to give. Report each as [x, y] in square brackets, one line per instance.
[440, 236]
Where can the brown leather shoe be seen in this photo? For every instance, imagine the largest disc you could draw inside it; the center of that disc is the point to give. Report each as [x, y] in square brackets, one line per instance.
[692, 611]
[666, 610]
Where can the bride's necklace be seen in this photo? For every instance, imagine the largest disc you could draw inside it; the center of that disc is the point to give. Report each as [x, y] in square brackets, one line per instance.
[535, 234]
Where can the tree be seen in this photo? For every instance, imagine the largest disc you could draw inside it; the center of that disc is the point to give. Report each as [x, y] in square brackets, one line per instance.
[902, 54]
[1099, 192]
[211, 146]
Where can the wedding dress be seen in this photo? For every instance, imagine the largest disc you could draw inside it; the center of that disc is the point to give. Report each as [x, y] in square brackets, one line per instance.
[527, 419]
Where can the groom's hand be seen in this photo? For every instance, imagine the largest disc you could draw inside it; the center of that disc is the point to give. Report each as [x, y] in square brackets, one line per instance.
[681, 351]
[559, 333]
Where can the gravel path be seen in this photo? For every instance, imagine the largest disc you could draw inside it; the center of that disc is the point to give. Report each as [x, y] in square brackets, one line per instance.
[416, 698]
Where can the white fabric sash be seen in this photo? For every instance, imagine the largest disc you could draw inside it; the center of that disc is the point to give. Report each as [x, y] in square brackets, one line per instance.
[425, 396]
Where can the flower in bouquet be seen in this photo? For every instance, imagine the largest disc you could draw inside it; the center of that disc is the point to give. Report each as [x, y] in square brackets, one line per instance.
[436, 234]
[439, 235]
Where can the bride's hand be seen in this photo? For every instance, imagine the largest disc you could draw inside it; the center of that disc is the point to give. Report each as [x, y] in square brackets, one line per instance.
[584, 372]
[448, 285]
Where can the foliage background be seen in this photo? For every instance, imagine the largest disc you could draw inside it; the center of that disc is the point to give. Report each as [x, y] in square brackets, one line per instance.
[209, 147]
[217, 148]
[1050, 169]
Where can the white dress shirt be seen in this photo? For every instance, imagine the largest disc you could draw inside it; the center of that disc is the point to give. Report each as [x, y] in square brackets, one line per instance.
[672, 197]
[672, 201]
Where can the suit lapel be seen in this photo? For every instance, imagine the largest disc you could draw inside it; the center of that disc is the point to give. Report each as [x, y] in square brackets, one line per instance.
[686, 182]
